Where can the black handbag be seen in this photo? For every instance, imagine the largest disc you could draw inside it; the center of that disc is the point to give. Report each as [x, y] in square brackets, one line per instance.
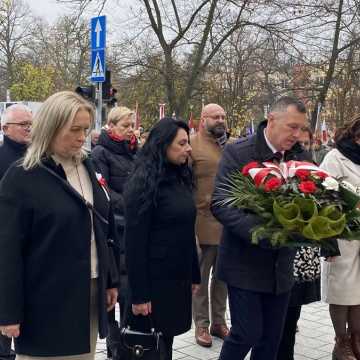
[127, 343]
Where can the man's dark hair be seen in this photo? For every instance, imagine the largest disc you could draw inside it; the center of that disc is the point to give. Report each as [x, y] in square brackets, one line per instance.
[284, 102]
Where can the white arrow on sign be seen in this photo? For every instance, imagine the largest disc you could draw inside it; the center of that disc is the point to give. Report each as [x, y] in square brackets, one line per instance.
[98, 70]
[98, 30]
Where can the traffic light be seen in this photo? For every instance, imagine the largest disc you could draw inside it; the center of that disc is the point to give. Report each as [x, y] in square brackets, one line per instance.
[113, 99]
[87, 92]
[106, 86]
[108, 91]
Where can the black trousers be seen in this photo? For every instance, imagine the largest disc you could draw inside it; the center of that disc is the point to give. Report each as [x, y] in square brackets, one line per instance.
[168, 341]
[5, 347]
[286, 348]
[257, 321]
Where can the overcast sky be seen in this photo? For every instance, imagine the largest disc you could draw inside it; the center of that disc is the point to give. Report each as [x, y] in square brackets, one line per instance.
[48, 9]
[51, 9]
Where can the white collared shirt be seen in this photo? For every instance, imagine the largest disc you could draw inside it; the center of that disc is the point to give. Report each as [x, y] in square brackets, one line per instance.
[270, 145]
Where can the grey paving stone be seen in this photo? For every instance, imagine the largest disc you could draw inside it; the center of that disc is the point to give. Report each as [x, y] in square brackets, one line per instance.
[177, 356]
[314, 343]
[179, 344]
[199, 352]
[315, 340]
[309, 352]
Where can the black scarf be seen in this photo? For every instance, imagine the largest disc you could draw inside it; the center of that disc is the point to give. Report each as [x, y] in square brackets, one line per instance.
[222, 140]
[350, 149]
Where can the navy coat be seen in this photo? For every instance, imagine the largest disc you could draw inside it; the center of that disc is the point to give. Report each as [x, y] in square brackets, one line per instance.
[241, 264]
[10, 151]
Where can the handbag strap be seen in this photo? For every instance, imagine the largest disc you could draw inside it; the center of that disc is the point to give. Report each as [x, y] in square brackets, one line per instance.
[76, 194]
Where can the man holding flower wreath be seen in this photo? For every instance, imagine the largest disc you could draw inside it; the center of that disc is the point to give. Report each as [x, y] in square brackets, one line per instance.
[259, 277]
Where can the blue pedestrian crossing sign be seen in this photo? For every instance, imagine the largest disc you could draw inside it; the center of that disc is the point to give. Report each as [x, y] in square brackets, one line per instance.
[98, 65]
[98, 45]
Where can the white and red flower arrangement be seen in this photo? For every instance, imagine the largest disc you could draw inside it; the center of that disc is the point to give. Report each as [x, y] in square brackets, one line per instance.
[295, 198]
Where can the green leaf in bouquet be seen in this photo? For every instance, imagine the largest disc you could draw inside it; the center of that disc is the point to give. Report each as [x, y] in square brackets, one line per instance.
[331, 211]
[321, 227]
[349, 234]
[307, 207]
[288, 215]
[353, 215]
[351, 199]
[352, 228]
[279, 238]
[257, 233]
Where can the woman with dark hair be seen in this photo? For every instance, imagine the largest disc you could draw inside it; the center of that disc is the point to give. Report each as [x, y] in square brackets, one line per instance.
[306, 140]
[341, 275]
[161, 254]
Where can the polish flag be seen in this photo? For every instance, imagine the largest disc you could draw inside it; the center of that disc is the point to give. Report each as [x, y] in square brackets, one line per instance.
[252, 127]
[137, 116]
[324, 132]
[191, 124]
[161, 111]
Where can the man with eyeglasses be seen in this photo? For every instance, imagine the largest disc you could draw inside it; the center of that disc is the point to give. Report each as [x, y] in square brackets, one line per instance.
[207, 148]
[16, 123]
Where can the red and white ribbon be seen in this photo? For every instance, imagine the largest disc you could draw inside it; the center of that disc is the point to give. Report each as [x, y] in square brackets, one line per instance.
[282, 171]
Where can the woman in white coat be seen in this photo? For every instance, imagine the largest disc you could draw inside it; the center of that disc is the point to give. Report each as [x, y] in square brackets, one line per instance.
[341, 275]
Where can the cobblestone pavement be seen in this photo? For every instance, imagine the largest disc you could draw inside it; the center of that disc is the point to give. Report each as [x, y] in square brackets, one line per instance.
[314, 340]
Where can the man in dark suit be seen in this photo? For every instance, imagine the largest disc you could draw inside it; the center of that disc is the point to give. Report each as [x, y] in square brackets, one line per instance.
[259, 278]
[16, 122]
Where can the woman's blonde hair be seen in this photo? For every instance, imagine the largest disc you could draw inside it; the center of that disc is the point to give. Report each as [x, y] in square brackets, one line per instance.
[118, 113]
[52, 116]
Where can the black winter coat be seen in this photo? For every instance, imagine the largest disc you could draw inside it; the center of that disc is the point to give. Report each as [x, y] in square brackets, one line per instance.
[45, 236]
[10, 151]
[115, 161]
[241, 264]
[161, 254]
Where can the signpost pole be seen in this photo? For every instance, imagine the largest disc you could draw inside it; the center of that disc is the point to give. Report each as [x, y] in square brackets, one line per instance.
[98, 121]
[98, 62]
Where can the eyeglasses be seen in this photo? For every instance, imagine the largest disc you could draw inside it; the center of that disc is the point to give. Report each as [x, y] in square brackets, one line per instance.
[24, 125]
[305, 143]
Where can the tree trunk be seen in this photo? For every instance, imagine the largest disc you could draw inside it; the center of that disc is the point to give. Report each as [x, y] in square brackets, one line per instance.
[169, 82]
[330, 71]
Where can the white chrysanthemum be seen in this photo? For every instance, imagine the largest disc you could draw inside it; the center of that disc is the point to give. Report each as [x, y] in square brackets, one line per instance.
[349, 186]
[330, 184]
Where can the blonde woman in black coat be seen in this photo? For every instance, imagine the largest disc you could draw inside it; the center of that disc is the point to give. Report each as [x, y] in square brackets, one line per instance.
[114, 156]
[58, 278]
[161, 254]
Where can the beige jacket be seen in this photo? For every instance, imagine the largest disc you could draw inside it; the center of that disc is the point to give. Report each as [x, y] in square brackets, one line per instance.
[206, 154]
[341, 277]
